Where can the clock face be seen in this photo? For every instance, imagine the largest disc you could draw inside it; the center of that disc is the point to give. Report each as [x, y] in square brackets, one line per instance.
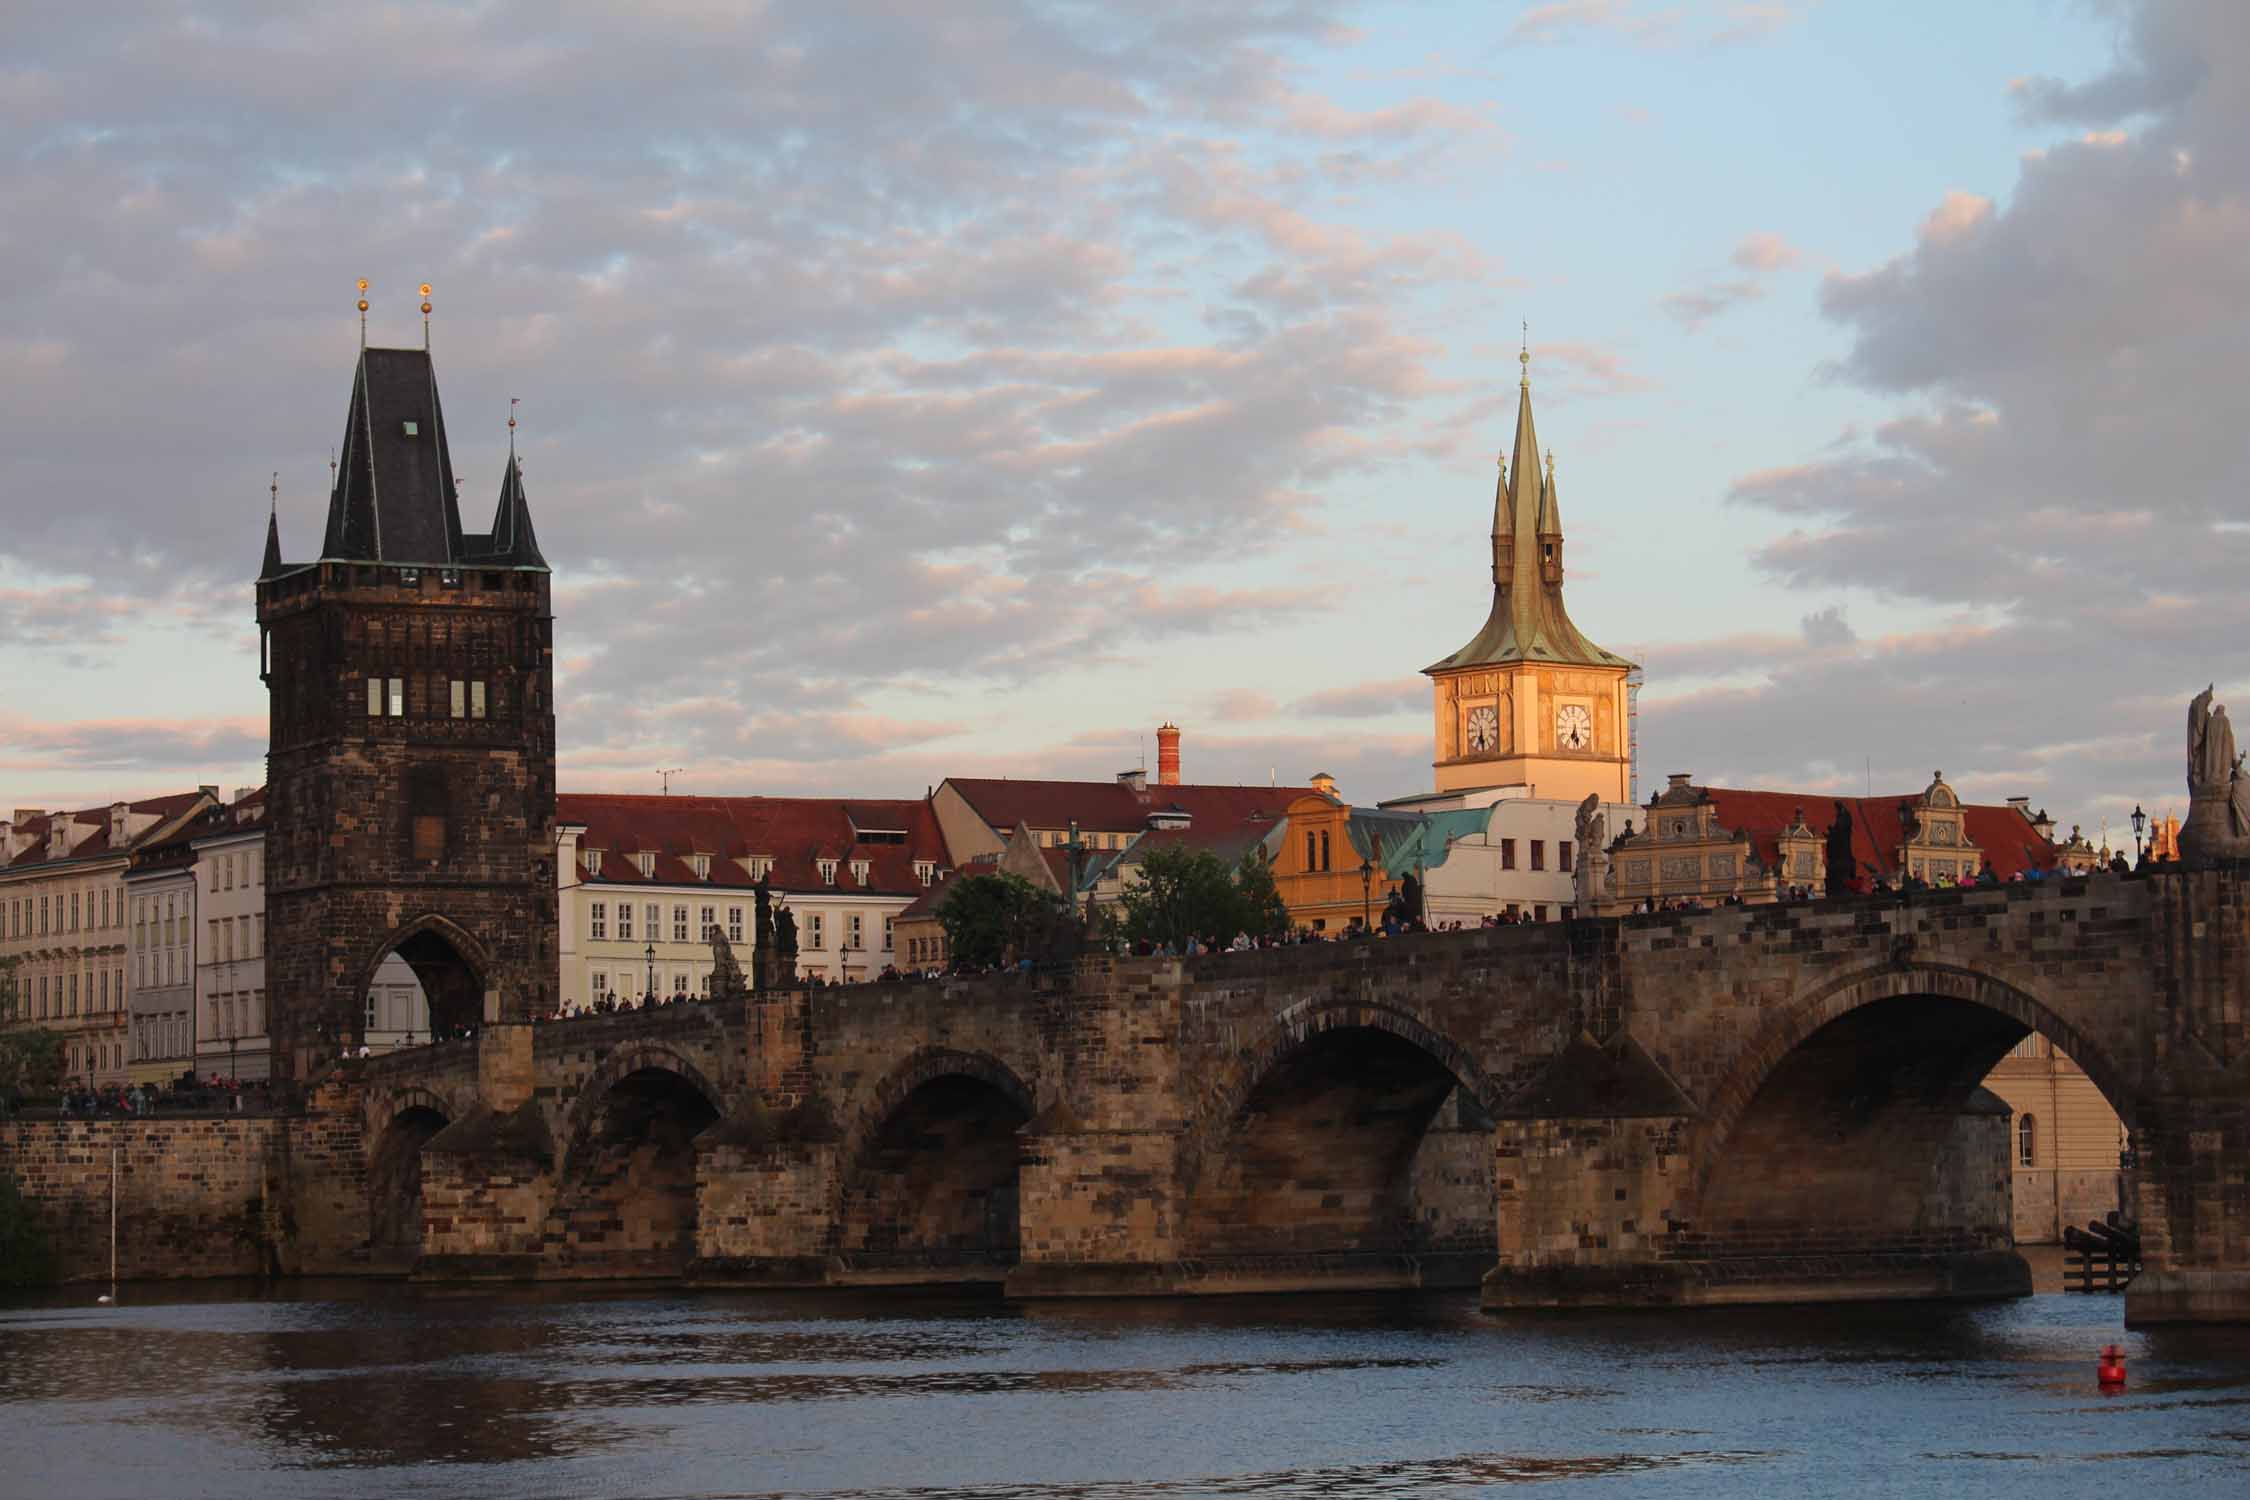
[1483, 728]
[1574, 727]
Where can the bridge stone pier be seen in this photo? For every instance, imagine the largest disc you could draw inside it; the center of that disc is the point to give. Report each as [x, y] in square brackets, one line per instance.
[1777, 1103]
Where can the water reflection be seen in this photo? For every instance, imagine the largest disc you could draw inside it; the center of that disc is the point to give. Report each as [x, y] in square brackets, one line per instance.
[408, 1391]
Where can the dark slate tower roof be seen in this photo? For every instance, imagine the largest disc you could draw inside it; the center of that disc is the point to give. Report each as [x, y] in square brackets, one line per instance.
[394, 499]
[513, 543]
[273, 565]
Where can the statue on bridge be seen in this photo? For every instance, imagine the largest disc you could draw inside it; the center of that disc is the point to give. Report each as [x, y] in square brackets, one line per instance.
[1842, 863]
[761, 935]
[726, 974]
[785, 945]
[1589, 878]
[2218, 820]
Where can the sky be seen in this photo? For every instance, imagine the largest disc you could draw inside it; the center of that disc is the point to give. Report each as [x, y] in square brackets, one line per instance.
[912, 391]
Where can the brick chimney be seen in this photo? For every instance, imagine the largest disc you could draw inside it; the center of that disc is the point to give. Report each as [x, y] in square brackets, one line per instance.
[1167, 754]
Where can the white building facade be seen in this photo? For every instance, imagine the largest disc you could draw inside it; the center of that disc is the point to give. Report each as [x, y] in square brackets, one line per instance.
[230, 970]
[643, 881]
[1521, 862]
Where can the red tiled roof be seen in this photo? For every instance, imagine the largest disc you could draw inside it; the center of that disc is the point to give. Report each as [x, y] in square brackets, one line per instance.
[795, 832]
[2011, 846]
[96, 843]
[936, 896]
[1112, 805]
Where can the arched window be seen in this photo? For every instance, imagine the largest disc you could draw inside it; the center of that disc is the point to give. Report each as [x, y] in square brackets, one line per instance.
[2027, 1140]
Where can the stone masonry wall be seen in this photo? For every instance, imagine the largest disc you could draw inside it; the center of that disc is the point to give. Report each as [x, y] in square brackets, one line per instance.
[191, 1195]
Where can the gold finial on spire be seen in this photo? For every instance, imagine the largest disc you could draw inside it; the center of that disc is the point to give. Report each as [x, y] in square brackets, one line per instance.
[425, 317]
[1550, 463]
[1524, 358]
[362, 312]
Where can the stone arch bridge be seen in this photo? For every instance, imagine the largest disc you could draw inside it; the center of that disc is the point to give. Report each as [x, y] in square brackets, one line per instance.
[1762, 1103]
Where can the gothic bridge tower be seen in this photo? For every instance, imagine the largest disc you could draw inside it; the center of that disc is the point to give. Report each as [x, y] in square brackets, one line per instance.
[411, 766]
[1530, 701]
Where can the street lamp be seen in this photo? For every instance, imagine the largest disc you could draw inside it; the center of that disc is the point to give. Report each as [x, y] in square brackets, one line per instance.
[1367, 897]
[649, 994]
[2140, 826]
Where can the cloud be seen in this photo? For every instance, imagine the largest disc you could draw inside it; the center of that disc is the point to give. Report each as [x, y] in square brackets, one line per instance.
[2056, 491]
[872, 351]
[1647, 24]
[1761, 255]
[1366, 700]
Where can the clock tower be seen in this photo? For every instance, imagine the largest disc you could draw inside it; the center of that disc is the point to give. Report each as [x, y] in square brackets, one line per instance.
[1531, 702]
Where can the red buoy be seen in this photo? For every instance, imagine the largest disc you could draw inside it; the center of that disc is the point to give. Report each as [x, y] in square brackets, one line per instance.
[2112, 1371]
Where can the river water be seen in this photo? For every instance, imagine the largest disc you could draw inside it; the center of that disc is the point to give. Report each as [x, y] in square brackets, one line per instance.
[386, 1390]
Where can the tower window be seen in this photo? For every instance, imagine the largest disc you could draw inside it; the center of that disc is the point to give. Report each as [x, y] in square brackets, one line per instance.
[426, 811]
[398, 697]
[2027, 1141]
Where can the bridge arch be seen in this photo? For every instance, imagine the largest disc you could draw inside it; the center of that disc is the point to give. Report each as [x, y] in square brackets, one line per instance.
[929, 1180]
[625, 1173]
[1345, 1129]
[1855, 1120]
[451, 966]
[401, 1122]
[1772, 1045]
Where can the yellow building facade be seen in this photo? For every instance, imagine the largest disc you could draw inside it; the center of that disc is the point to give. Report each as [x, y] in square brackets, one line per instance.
[1323, 877]
[1530, 701]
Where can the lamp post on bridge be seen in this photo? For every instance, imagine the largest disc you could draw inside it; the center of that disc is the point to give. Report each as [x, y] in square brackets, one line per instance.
[650, 993]
[1366, 897]
[2140, 826]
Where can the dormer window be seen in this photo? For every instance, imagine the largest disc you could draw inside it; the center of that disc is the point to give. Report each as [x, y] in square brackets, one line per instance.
[859, 870]
[701, 864]
[759, 866]
[592, 860]
[925, 870]
[827, 872]
[646, 861]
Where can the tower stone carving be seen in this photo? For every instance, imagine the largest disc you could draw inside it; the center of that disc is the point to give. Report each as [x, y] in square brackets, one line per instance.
[411, 763]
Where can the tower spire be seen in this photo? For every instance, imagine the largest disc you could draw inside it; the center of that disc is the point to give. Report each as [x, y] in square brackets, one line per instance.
[272, 563]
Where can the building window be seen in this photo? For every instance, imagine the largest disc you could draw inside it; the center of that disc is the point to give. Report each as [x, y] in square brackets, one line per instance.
[624, 921]
[1507, 854]
[374, 697]
[398, 697]
[645, 861]
[476, 700]
[679, 984]
[886, 934]
[1539, 854]
[460, 695]
[828, 872]
[2027, 1141]
[592, 860]
[710, 922]
[599, 928]
[760, 865]
[860, 868]
[1324, 864]
[857, 932]
[1312, 850]
[654, 921]
[734, 924]
[701, 864]
[1539, 914]
[816, 937]
[679, 924]
[1562, 855]
[924, 870]
[601, 984]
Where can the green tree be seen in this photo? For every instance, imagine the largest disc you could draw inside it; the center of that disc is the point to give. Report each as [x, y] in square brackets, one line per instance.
[998, 918]
[31, 1057]
[1184, 893]
[1264, 913]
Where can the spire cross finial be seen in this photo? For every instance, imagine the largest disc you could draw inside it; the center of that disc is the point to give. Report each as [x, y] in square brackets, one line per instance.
[273, 492]
[363, 312]
[1524, 358]
[425, 317]
[513, 402]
